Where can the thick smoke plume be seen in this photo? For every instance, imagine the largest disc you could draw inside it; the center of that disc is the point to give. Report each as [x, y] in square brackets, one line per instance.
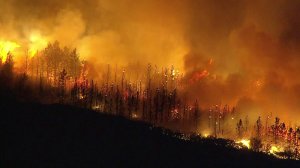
[243, 53]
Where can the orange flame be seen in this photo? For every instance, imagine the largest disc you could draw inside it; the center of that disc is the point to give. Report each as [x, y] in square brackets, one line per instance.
[6, 47]
[199, 75]
[37, 42]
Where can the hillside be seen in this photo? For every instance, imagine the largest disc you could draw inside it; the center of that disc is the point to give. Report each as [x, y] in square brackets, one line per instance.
[38, 135]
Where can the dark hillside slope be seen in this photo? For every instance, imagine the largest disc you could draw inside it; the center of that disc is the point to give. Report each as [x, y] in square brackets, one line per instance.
[62, 136]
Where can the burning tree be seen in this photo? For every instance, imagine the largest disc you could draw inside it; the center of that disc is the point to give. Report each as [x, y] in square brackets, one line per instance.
[7, 69]
[62, 86]
[255, 144]
[258, 128]
[275, 129]
[51, 61]
[240, 128]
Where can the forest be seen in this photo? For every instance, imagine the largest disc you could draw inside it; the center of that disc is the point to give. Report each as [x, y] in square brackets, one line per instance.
[58, 75]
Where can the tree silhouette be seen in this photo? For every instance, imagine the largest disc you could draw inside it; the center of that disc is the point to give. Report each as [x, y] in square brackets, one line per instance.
[240, 128]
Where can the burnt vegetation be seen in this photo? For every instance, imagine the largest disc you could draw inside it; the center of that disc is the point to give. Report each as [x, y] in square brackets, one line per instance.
[87, 125]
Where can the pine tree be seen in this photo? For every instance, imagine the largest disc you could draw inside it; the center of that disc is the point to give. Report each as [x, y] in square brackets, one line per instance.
[276, 129]
[240, 128]
[258, 128]
[62, 86]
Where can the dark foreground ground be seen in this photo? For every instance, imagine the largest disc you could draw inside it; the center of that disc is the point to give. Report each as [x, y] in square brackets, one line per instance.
[61, 136]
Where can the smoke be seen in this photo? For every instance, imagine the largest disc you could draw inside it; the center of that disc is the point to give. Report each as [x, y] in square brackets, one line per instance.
[243, 53]
[255, 55]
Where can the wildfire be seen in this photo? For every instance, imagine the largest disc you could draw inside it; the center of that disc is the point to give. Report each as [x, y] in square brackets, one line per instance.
[205, 135]
[6, 47]
[37, 42]
[97, 107]
[135, 116]
[245, 142]
[199, 75]
[274, 150]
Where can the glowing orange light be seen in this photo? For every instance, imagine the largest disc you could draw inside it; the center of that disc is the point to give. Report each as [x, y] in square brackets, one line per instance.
[6, 47]
[205, 135]
[199, 75]
[135, 116]
[274, 150]
[258, 83]
[37, 42]
[211, 61]
[245, 142]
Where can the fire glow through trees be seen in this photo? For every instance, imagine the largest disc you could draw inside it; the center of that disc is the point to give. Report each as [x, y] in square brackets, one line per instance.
[227, 60]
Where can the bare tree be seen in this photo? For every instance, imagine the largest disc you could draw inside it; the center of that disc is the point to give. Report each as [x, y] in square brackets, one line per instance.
[240, 128]
[62, 86]
[258, 127]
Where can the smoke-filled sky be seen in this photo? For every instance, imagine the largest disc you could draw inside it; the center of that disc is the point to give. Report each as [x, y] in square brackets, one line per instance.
[244, 52]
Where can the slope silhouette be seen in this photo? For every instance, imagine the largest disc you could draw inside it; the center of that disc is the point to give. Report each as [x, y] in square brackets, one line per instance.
[37, 135]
